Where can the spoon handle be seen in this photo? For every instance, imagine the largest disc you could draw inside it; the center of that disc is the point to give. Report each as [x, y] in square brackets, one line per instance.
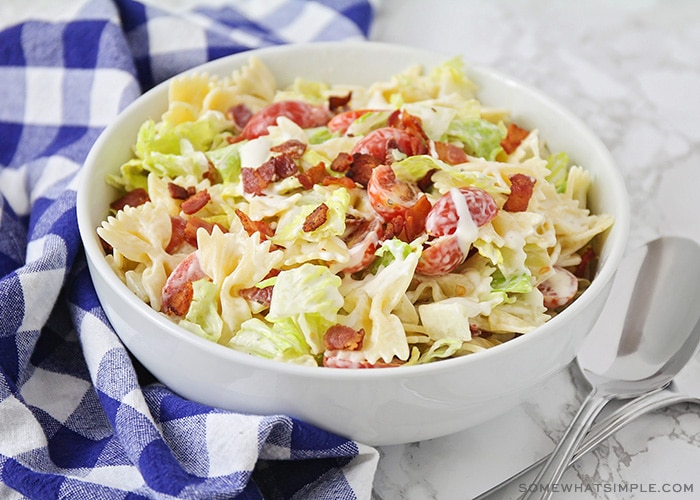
[602, 430]
[543, 485]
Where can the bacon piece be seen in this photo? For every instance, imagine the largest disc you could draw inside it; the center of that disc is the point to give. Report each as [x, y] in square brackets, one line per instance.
[196, 202]
[449, 153]
[284, 166]
[193, 224]
[293, 148]
[361, 168]
[514, 136]
[177, 234]
[213, 175]
[341, 337]
[408, 122]
[250, 226]
[342, 162]
[260, 295]
[585, 268]
[314, 175]
[339, 102]
[255, 180]
[415, 218]
[315, 219]
[240, 114]
[133, 198]
[521, 186]
[178, 192]
[178, 290]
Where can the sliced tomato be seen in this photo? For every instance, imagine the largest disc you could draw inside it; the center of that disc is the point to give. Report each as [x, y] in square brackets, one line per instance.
[362, 241]
[442, 256]
[378, 143]
[443, 217]
[389, 196]
[303, 114]
[341, 121]
[559, 289]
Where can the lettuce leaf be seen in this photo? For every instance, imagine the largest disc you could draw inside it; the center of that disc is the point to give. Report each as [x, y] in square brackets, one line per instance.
[480, 137]
[203, 316]
[308, 296]
[558, 165]
[282, 341]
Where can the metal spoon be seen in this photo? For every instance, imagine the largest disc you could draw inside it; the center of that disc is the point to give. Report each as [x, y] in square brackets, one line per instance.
[640, 351]
[685, 388]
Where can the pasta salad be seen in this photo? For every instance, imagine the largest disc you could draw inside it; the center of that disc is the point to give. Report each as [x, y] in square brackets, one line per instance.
[347, 226]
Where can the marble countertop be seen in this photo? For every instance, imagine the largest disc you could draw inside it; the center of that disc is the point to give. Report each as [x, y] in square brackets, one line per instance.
[631, 70]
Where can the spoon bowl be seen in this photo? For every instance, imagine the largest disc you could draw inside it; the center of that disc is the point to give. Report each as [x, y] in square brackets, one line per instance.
[646, 342]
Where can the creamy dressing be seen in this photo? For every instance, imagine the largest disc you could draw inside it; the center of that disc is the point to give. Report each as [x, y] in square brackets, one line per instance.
[467, 231]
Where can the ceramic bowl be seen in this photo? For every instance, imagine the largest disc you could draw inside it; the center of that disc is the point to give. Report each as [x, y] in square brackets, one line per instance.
[381, 406]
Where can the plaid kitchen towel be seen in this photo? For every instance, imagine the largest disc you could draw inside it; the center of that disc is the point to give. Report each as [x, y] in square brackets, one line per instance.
[79, 420]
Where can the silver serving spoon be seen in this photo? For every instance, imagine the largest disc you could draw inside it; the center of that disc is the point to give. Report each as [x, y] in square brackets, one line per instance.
[647, 340]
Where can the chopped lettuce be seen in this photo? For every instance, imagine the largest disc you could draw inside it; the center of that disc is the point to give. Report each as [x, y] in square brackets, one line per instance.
[558, 165]
[282, 341]
[308, 296]
[203, 316]
[227, 161]
[480, 137]
[291, 228]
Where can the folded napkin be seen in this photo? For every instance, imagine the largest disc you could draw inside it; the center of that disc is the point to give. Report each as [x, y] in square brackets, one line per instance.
[78, 417]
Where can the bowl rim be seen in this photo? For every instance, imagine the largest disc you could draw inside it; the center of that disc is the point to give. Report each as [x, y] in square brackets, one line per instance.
[617, 236]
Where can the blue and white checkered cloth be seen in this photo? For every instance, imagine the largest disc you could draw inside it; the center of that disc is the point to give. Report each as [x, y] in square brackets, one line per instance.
[80, 420]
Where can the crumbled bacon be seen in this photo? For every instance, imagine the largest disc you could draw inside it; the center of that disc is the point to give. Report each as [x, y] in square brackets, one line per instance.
[339, 102]
[177, 234]
[341, 337]
[255, 180]
[193, 224]
[583, 270]
[178, 192]
[426, 181]
[449, 153]
[240, 114]
[260, 295]
[408, 122]
[316, 219]
[361, 168]
[196, 202]
[179, 302]
[521, 187]
[292, 148]
[415, 217]
[312, 176]
[213, 175]
[514, 136]
[133, 198]
[252, 226]
[342, 162]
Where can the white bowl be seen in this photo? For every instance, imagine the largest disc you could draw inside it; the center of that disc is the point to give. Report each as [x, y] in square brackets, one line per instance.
[377, 407]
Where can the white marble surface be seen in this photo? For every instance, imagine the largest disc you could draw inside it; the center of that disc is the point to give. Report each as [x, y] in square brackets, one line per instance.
[631, 70]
